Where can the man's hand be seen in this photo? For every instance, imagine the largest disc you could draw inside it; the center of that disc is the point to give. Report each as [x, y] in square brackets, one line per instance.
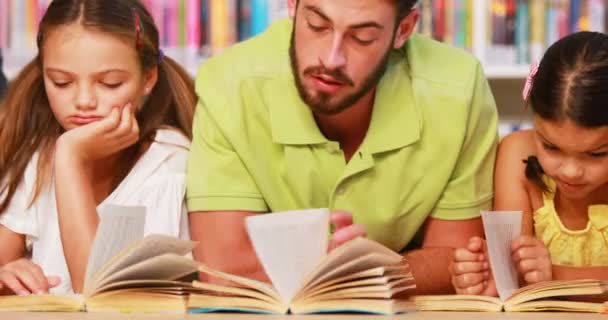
[532, 259]
[344, 229]
[23, 277]
[470, 270]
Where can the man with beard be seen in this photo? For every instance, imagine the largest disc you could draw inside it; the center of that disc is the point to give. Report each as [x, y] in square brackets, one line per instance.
[344, 108]
[3, 81]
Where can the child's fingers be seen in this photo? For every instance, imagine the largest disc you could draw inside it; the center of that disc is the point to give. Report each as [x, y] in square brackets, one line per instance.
[527, 265]
[462, 268]
[463, 255]
[111, 122]
[523, 241]
[32, 281]
[124, 123]
[12, 283]
[535, 277]
[534, 252]
[476, 289]
[464, 281]
[475, 244]
[37, 276]
[53, 281]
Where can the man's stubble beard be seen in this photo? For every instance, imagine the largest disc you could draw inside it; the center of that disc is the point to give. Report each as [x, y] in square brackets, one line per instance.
[320, 103]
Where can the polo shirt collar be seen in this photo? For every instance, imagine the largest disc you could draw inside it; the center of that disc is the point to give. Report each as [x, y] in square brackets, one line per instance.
[291, 120]
[395, 119]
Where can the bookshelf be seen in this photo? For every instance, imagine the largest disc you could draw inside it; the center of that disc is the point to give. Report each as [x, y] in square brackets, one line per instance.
[492, 30]
[498, 32]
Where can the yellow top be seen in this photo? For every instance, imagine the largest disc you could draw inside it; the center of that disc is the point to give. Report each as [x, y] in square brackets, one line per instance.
[429, 150]
[575, 248]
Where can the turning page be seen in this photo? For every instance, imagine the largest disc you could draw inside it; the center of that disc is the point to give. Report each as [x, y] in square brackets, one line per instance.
[289, 245]
[501, 228]
[119, 227]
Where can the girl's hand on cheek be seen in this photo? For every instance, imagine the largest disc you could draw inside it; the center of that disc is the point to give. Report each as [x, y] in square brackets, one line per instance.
[100, 139]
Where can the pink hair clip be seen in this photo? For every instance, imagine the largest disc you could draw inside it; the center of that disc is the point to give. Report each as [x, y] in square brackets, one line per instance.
[530, 81]
[139, 32]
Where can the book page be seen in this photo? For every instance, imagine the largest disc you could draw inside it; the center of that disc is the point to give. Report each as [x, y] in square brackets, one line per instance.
[151, 246]
[168, 266]
[119, 227]
[44, 302]
[501, 228]
[354, 256]
[289, 245]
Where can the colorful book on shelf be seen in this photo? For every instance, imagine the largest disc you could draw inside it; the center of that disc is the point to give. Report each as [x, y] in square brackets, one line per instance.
[522, 32]
[359, 276]
[500, 229]
[125, 272]
[260, 13]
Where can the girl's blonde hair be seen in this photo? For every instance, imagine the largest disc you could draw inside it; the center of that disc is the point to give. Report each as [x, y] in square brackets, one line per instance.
[27, 124]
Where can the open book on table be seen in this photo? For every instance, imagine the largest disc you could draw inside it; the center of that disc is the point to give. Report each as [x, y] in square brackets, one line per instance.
[500, 229]
[360, 276]
[125, 272]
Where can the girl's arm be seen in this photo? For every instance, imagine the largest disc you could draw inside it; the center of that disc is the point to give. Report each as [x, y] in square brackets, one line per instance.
[510, 184]
[470, 270]
[13, 245]
[75, 152]
[571, 273]
[77, 212]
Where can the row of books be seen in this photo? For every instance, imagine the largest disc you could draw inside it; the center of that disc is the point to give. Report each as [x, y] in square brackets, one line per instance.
[517, 31]
[206, 26]
[137, 274]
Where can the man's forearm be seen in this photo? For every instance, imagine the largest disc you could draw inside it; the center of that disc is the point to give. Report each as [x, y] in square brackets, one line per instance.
[430, 270]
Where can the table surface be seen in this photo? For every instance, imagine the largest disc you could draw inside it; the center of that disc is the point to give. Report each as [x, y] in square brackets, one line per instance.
[242, 316]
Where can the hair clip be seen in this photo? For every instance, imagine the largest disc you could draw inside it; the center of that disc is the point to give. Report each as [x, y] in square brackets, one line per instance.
[139, 31]
[161, 56]
[530, 81]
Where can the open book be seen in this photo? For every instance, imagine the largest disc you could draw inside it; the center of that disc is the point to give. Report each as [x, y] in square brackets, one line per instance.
[360, 276]
[500, 229]
[125, 271]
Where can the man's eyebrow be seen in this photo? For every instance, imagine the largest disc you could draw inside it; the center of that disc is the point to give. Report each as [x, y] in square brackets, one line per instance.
[317, 11]
[369, 24]
[362, 25]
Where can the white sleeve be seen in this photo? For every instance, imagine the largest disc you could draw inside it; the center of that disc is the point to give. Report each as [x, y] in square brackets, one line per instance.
[163, 196]
[19, 216]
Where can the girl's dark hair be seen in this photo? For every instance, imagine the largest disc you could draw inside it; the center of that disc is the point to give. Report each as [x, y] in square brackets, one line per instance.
[27, 124]
[571, 83]
[404, 8]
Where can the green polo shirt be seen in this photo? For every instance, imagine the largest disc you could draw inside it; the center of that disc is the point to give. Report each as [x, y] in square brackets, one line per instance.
[429, 150]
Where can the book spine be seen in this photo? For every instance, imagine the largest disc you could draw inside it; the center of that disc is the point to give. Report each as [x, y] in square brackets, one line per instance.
[260, 13]
[193, 29]
[439, 20]
[522, 32]
[244, 20]
[205, 23]
[551, 25]
[563, 17]
[537, 29]
[597, 9]
[575, 12]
